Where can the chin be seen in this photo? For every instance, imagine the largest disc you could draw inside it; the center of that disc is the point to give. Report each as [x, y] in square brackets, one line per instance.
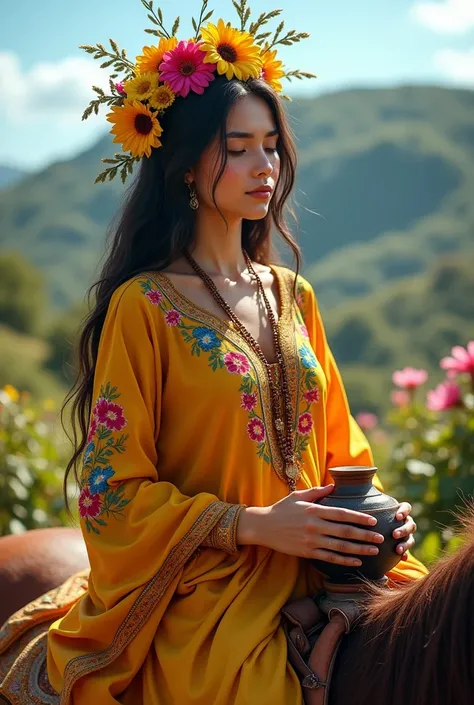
[256, 213]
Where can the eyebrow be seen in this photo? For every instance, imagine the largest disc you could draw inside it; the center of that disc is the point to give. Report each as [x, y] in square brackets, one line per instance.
[250, 135]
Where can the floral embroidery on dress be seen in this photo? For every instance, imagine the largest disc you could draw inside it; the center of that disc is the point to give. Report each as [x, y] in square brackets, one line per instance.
[220, 356]
[99, 502]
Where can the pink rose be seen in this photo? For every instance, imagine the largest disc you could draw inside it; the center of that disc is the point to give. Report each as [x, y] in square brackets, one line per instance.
[446, 396]
[409, 378]
[462, 361]
[400, 398]
[366, 420]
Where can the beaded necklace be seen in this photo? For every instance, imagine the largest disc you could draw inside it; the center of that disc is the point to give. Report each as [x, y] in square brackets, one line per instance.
[283, 428]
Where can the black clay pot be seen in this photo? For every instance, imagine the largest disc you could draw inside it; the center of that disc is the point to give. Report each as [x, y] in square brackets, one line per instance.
[354, 490]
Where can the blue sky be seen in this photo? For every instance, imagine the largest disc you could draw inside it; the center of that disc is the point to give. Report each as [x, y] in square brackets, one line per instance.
[45, 79]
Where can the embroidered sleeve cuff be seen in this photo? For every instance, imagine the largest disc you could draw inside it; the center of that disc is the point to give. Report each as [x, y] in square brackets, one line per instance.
[224, 535]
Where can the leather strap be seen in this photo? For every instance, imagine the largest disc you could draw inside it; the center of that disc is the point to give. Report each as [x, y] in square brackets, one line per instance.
[314, 661]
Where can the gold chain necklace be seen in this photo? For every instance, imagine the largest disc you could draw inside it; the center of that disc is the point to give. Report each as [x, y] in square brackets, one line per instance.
[283, 428]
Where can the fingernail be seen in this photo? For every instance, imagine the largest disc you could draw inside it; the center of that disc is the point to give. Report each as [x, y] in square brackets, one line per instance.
[379, 537]
[399, 516]
[400, 549]
[356, 562]
[373, 551]
[372, 521]
[397, 534]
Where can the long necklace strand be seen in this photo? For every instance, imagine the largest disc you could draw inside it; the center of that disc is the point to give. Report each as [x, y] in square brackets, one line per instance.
[285, 440]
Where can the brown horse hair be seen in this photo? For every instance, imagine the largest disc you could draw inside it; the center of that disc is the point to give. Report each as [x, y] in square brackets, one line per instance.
[416, 637]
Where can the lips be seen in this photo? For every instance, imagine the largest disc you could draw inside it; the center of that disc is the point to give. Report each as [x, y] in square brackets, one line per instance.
[262, 189]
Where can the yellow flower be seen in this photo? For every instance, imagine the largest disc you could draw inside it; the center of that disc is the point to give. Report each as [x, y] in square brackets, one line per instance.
[234, 52]
[141, 87]
[136, 128]
[12, 393]
[153, 56]
[272, 70]
[162, 98]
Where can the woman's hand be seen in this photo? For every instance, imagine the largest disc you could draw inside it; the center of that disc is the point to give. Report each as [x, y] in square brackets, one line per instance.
[407, 530]
[298, 527]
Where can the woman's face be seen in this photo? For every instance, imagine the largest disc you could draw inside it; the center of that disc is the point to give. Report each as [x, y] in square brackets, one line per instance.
[252, 162]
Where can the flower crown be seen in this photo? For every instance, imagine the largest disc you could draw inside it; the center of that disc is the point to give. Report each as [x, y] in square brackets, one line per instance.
[173, 68]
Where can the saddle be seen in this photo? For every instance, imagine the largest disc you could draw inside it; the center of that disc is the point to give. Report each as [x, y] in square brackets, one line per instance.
[314, 628]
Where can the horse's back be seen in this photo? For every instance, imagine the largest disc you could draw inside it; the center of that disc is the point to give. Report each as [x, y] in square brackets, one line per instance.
[36, 561]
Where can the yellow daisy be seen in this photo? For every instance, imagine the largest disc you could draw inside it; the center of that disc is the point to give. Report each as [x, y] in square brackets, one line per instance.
[153, 56]
[162, 98]
[142, 86]
[136, 128]
[234, 52]
[272, 70]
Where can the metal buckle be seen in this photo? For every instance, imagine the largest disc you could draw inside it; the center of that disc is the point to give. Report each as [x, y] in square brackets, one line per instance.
[312, 681]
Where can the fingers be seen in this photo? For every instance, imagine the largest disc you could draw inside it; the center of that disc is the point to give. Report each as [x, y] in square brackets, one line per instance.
[341, 546]
[340, 515]
[312, 494]
[404, 510]
[405, 546]
[347, 531]
[330, 557]
[408, 528]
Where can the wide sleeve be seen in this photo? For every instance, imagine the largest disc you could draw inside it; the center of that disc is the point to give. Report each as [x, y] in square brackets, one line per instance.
[139, 531]
[345, 443]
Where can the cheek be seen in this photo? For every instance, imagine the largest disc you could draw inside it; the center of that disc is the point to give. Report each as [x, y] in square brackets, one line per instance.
[232, 183]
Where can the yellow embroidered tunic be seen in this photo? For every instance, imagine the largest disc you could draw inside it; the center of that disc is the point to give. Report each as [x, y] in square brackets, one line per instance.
[180, 438]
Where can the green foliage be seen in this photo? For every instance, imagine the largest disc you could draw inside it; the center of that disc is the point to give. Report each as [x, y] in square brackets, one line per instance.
[22, 294]
[32, 464]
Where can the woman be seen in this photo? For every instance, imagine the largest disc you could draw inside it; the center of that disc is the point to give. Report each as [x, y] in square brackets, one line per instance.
[215, 409]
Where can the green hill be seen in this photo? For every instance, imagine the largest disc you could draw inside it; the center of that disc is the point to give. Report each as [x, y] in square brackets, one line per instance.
[386, 180]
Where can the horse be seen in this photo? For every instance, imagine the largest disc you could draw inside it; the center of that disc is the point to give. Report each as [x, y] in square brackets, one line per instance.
[414, 643]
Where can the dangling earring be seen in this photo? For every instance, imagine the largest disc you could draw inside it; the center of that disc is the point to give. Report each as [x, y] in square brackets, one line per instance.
[193, 199]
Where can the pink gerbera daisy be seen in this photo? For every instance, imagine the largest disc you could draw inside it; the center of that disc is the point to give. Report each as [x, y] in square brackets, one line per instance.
[305, 424]
[256, 430]
[184, 70]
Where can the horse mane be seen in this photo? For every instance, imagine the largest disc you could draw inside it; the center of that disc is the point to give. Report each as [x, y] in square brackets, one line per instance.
[417, 641]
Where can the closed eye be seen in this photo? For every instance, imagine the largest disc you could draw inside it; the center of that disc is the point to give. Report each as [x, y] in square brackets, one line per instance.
[236, 153]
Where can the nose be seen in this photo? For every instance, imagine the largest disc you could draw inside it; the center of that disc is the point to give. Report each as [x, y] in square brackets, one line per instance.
[264, 166]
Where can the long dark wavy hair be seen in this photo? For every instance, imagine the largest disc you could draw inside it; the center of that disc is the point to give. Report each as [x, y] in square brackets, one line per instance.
[155, 225]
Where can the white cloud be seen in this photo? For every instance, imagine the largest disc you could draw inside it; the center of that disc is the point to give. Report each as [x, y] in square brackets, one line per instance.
[60, 91]
[456, 65]
[446, 16]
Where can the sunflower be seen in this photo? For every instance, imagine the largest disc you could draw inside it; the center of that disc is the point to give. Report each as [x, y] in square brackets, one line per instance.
[161, 98]
[234, 52]
[153, 56]
[272, 70]
[136, 128]
[142, 86]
